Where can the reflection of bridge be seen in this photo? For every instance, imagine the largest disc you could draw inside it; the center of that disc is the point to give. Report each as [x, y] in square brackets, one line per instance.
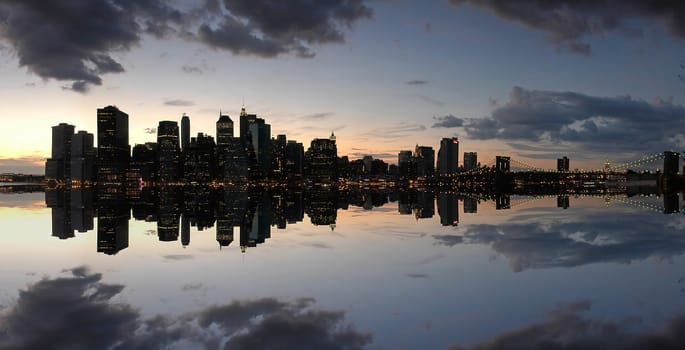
[670, 201]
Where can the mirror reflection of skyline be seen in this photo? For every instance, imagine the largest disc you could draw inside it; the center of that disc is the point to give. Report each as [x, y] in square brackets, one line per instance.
[249, 216]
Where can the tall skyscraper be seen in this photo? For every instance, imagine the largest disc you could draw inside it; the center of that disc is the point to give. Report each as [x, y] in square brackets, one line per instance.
[199, 159]
[448, 209]
[255, 135]
[58, 167]
[294, 159]
[424, 157]
[404, 163]
[224, 130]
[185, 132]
[470, 160]
[448, 156]
[114, 152]
[82, 158]
[169, 151]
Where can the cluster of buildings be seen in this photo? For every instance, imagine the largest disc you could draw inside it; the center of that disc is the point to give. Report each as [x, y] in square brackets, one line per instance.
[251, 155]
[422, 163]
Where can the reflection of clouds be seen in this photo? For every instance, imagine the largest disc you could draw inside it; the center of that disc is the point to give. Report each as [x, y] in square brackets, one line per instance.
[77, 312]
[178, 257]
[320, 245]
[588, 239]
[566, 328]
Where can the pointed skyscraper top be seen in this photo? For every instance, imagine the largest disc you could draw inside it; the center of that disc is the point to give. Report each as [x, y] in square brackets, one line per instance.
[242, 111]
[332, 136]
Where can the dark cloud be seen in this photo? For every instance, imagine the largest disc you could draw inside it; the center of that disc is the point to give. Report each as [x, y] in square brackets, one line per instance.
[592, 238]
[77, 312]
[178, 103]
[417, 275]
[416, 82]
[71, 313]
[317, 116]
[270, 28]
[569, 22]
[178, 257]
[319, 245]
[430, 100]
[567, 328]
[77, 40]
[192, 69]
[595, 125]
[448, 121]
[71, 43]
[401, 130]
[150, 130]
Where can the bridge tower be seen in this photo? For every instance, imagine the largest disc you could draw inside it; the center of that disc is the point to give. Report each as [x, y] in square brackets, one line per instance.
[502, 164]
[671, 163]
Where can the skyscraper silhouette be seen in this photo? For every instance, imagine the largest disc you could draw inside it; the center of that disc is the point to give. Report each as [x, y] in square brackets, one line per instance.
[113, 153]
[448, 156]
[185, 132]
[58, 167]
[169, 151]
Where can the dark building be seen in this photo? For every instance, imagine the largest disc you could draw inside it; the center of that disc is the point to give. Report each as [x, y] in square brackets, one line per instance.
[185, 132]
[424, 158]
[470, 161]
[448, 209]
[320, 161]
[224, 131]
[199, 159]
[448, 156]
[563, 164]
[82, 209]
[59, 201]
[82, 159]
[144, 163]
[113, 152]
[470, 205]
[260, 133]
[169, 152]
[58, 167]
[404, 163]
[424, 207]
[113, 230]
[294, 160]
[278, 160]
[185, 230]
[232, 162]
[379, 167]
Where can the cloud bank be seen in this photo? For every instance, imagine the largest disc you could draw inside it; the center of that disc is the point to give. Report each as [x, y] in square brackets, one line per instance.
[568, 22]
[591, 239]
[567, 328]
[584, 123]
[78, 41]
[79, 312]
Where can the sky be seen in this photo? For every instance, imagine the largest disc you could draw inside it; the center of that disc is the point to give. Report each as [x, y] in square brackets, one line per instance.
[591, 80]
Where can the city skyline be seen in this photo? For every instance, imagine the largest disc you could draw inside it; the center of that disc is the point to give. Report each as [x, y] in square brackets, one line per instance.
[383, 76]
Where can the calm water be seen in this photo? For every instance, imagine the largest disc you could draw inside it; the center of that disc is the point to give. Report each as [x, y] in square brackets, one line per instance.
[383, 271]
